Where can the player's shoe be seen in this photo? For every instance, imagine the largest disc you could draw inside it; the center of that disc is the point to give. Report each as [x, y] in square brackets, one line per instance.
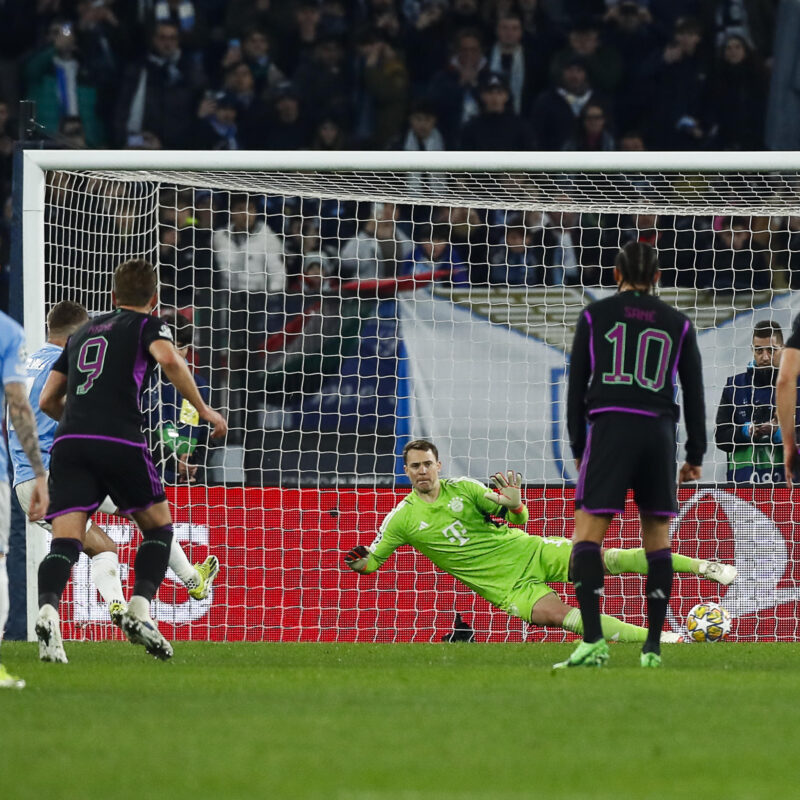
[48, 632]
[650, 660]
[9, 681]
[115, 610]
[670, 637]
[142, 630]
[208, 571]
[586, 655]
[719, 572]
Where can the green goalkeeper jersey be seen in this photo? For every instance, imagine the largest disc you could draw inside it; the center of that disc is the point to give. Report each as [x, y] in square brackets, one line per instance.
[456, 533]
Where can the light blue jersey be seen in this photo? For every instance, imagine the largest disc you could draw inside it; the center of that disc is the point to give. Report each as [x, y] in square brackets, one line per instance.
[37, 369]
[12, 368]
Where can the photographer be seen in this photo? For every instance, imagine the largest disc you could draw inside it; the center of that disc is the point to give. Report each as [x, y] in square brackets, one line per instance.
[747, 427]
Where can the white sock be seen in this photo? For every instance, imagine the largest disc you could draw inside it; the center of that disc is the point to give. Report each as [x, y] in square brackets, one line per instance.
[139, 607]
[3, 596]
[105, 574]
[179, 564]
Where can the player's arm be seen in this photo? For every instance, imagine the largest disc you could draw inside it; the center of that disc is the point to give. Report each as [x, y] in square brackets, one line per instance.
[54, 394]
[24, 422]
[179, 375]
[786, 403]
[580, 370]
[368, 559]
[509, 496]
[690, 370]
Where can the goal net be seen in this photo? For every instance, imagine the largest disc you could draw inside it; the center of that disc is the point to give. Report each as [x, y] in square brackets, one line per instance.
[337, 306]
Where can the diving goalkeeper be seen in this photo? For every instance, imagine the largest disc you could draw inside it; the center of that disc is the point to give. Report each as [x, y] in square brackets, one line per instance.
[450, 522]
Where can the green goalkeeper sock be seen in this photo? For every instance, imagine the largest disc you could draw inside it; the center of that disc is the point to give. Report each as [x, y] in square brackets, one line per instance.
[614, 630]
[618, 561]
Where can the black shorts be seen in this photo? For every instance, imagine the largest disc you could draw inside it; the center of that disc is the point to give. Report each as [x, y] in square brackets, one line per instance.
[83, 470]
[629, 451]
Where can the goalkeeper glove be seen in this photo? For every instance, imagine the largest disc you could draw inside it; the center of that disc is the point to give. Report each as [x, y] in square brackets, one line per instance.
[510, 488]
[356, 558]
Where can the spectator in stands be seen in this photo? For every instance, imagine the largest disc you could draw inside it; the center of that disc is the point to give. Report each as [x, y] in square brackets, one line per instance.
[299, 43]
[57, 81]
[632, 141]
[677, 76]
[603, 63]
[733, 263]
[631, 31]
[186, 15]
[6, 151]
[244, 15]
[466, 14]
[523, 69]
[454, 90]
[72, 133]
[556, 110]
[593, 133]
[496, 127]
[178, 438]
[516, 262]
[217, 129]
[558, 235]
[381, 91]
[424, 39]
[252, 113]
[104, 49]
[254, 51]
[380, 249]
[329, 135]
[158, 95]
[185, 263]
[249, 285]
[435, 256]
[325, 83]
[288, 130]
[793, 249]
[738, 98]
[422, 132]
[18, 36]
[747, 426]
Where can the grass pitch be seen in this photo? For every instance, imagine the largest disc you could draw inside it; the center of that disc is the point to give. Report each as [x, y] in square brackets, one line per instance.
[399, 721]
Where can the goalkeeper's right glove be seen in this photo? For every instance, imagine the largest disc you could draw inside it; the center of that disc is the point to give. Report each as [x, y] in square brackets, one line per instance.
[356, 558]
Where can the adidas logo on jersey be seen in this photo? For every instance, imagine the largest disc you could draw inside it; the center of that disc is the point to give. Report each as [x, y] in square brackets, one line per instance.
[423, 525]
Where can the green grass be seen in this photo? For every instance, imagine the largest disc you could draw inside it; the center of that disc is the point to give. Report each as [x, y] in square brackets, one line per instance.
[399, 721]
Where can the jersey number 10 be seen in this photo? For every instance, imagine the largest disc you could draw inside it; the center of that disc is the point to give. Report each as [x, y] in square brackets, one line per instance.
[647, 339]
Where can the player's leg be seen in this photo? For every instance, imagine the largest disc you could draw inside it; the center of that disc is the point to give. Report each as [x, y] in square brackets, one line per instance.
[150, 566]
[102, 551]
[552, 611]
[7, 680]
[618, 561]
[133, 483]
[197, 578]
[658, 587]
[655, 491]
[54, 572]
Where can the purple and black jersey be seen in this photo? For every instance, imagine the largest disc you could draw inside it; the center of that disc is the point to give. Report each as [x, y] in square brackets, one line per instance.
[108, 364]
[627, 353]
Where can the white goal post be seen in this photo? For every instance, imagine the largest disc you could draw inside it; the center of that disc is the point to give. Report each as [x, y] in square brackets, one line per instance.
[464, 339]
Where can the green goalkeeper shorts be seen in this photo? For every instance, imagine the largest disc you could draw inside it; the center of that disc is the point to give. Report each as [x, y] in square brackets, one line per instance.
[550, 564]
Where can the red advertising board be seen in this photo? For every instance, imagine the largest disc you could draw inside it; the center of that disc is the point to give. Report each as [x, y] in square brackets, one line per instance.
[282, 578]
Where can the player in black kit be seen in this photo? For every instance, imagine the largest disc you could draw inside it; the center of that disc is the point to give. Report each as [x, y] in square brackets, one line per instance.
[94, 390]
[621, 416]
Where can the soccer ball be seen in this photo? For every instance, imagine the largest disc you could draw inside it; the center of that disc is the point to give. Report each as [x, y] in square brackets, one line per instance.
[708, 622]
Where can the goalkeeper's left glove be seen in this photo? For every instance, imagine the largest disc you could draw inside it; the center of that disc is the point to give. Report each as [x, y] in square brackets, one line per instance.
[510, 488]
[356, 558]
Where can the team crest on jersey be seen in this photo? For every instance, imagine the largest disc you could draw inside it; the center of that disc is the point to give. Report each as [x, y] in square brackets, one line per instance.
[456, 505]
[22, 355]
[166, 332]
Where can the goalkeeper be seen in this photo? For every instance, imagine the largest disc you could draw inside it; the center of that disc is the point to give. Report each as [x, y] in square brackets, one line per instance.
[450, 522]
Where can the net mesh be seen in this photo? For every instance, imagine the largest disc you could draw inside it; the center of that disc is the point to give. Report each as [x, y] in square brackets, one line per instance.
[337, 315]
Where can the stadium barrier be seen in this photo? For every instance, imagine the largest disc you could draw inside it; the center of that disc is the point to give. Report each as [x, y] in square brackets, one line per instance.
[282, 577]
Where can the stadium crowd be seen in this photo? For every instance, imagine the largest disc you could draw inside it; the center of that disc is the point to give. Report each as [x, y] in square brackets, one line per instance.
[411, 75]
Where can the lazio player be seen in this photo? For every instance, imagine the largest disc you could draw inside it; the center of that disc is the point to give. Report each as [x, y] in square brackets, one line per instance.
[449, 521]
